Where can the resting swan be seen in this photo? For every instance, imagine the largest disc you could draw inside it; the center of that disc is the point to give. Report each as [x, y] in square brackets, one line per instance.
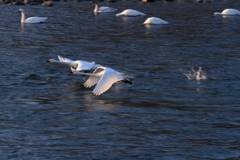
[31, 19]
[155, 20]
[104, 77]
[103, 8]
[130, 12]
[78, 65]
[229, 12]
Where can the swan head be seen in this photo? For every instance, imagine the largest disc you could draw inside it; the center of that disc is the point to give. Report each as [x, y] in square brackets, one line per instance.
[72, 71]
[93, 2]
[20, 10]
[51, 60]
[47, 3]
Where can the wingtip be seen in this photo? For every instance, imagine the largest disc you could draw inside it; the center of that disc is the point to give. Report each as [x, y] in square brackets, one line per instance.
[126, 80]
[96, 93]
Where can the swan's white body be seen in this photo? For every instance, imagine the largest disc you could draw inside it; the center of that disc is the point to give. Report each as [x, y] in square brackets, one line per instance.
[98, 9]
[130, 12]
[31, 19]
[78, 65]
[104, 9]
[155, 20]
[104, 77]
[229, 12]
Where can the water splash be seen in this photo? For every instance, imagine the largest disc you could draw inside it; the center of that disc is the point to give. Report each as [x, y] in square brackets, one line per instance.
[198, 75]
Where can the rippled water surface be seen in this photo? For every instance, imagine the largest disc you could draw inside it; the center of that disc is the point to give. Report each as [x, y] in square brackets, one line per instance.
[47, 113]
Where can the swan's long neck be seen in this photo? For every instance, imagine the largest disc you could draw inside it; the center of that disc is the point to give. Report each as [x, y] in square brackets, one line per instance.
[119, 14]
[96, 7]
[87, 74]
[217, 13]
[22, 17]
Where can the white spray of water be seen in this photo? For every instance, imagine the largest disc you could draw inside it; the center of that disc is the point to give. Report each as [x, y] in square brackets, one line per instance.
[197, 75]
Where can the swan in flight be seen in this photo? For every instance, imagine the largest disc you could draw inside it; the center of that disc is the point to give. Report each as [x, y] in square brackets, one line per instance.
[155, 20]
[104, 77]
[229, 12]
[130, 12]
[78, 65]
[31, 19]
[98, 9]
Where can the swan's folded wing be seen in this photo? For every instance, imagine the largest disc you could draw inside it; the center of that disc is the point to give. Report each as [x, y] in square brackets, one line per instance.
[106, 9]
[107, 80]
[35, 19]
[62, 59]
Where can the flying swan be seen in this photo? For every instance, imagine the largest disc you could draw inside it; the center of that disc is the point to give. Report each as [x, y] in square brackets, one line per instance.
[78, 65]
[31, 19]
[104, 77]
[229, 12]
[98, 9]
[130, 13]
[154, 20]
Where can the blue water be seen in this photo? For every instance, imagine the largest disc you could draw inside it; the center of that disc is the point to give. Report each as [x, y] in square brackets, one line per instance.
[47, 113]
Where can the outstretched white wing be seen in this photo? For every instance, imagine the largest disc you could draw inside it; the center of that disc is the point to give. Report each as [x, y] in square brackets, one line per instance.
[94, 78]
[62, 59]
[107, 80]
[73, 65]
[84, 65]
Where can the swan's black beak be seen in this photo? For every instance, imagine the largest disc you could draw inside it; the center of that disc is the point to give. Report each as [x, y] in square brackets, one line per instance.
[48, 60]
[127, 81]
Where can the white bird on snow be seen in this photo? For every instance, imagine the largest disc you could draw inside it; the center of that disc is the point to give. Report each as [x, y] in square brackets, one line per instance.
[229, 12]
[130, 13]
[98, 9]
[104, 77]
[154, 20]
[31, 19]
[78, 65]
